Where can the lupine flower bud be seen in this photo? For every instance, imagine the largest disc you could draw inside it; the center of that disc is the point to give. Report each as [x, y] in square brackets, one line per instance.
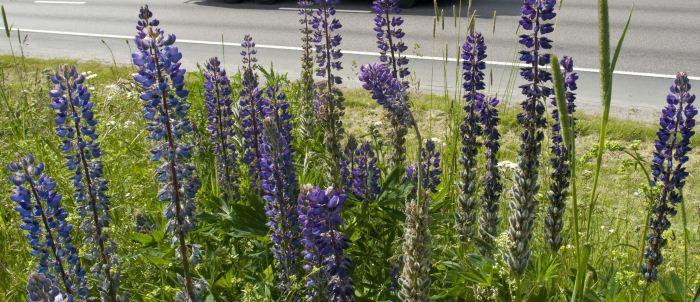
[473, 65]
[45, 225]
[491, 182]
[389, 37]
[164, 98]
[217, 98]
[252, 105]
[307, 127]
[561, 174]
[76, 126]
[324, 244]
[536, 21]
[668, 168]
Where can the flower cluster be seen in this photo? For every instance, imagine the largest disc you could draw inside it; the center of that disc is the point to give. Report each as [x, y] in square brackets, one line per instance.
[431, 166]
[324, 244]
[473, 65]
[491, 181]
[359, 171]
[389, 35]
[217, 98]
[252, 105]
[162, 82]
[561, 173]
[387, 91]
[42, 289]
[668, 168]
[76, 126]
[44, 221]
[536, 21]
[306, 113]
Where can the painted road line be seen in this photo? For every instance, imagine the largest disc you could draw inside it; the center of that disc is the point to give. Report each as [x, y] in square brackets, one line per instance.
[61, 2]
[352, 11]
[351, 52]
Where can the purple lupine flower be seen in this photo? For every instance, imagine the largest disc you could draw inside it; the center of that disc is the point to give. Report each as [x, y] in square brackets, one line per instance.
[307, 127]
[431, 166]
[389, 37]
[165, 108]
[491, 182]
[329, 99]
[561, 173]
[668, 168]
[76, 126]
[536, 21]
[252, 105]
[365, 176]
[473, 65]
[44, 221]
[280, 206]
[217, 98]
[347, 163]
[42, 289]
[324, 244]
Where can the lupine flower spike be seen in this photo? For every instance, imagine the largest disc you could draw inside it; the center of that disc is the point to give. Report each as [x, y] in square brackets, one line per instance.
[536, 21]
[252, 104]
[217, 97]
[561, 174]
[415, 275]
[324, 244]
[359, 171]
[668, 168]
[42, 289]
[391, 53]
[491, 181]
[387, 91]
[307, 127]
[279, 189]
[44, 221]
[162, 81]
[329, 99]
[76, 126]
[473, 65]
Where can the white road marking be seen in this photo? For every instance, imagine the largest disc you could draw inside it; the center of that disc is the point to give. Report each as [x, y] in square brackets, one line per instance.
[352, 11]
[352, 52]
[60, 2]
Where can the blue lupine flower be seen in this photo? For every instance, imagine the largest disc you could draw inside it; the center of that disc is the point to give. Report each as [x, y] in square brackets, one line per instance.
[324, 244]
[561, 173]
[365, 176]
[431, 166]
[76, 126]
[491, 181]
[347, 163]
[389, 37]
[252, 105]
[387, 91]
[44, 221]
[279, 190]
[165, 108]
[217, 98]
[668, 168]
[329, 99]
[536, 21]
[42, 289]
[473, 65]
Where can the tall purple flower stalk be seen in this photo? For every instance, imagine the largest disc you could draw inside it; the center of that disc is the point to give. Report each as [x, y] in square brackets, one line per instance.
[491, 181]
[561, 174]
[45, 225]
[473, 65]
[252, 104]
[279, 191]
[668, 168]
[359, 171]
[324, 245]
[536, 21]
[387, 91]
[329, 99]
[217, 98]
[165, 108]
[307, 127]
[76, 126]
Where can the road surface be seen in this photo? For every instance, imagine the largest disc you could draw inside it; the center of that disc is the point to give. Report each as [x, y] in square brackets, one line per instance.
[664, 38]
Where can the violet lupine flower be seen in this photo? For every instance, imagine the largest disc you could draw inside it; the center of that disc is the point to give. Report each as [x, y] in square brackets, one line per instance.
[347, 163]
[473, 65]
[307, 127]
[536, 21]
[491, 182]
[217, 98]
[165, 109]
[329, 99]
[389, 35]
[668, 168]
[387, 91]
[280, 207]
[76, 126]
[431, 166]
[44, 221]
[561, 173]
[252, 105]
[42, 289]
[365, 176]
[324, 243]
[310, 216]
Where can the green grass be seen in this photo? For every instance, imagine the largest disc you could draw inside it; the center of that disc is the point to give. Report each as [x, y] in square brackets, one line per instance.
[234, 248]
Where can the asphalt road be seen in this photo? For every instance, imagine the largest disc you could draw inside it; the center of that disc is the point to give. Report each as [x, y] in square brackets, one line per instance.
[664, 38]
